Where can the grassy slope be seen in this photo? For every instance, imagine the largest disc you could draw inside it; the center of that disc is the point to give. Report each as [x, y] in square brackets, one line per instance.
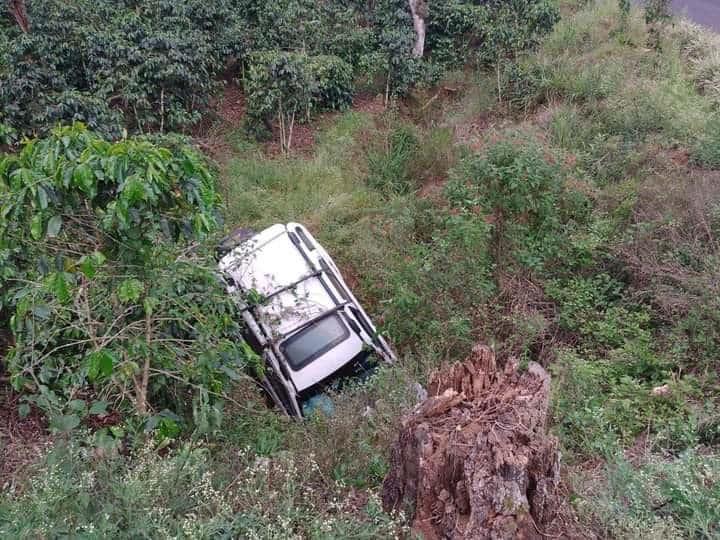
[615, 289]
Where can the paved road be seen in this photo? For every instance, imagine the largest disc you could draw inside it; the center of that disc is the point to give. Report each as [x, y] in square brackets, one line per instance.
[705, 12]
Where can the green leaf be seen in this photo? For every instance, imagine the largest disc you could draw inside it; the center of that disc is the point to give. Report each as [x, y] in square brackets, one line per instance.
[130, 290]
[87, 267]
[231, 373]
[36, 226]
[105, 440]
[54, 226]
[23, 410]
[89, 264]
[41, 311]
[57, 284]
[64, 423]
[42, 197]
[84, 179]
[100, 364]
[77, 405]
[99, 408]
[149, 305]
[134, 191]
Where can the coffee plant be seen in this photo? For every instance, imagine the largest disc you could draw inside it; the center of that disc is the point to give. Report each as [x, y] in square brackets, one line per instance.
[289, 87]
[109, 303]
[153, 66]
[145, 66]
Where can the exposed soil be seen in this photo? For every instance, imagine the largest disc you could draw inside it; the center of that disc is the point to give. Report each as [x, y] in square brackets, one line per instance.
[228, 111]
[22, 440]
[432, 189]
[304, 137]
[369, 103]
[474, 460]
[473, 131]
[230, 106]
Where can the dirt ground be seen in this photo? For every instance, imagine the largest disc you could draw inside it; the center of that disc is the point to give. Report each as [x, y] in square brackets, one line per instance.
[22, 440]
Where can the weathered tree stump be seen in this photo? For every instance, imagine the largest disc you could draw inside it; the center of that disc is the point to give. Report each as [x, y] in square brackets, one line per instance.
[474, 460]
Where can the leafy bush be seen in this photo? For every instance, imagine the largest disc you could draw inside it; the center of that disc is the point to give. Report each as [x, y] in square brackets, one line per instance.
[510, 27]
[154, 65]
[522, 196]
[657, 11]
[706, 152]
[594, 308]
[433, 284]
[290, 86]
[522, 86]
[601, 405]
[148, 66]
[107, 305]
[453, 29]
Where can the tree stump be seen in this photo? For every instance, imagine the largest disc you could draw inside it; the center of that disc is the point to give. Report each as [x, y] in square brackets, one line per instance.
[474, 459]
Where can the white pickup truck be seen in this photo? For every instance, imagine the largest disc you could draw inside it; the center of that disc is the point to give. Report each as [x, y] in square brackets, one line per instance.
[301, 316]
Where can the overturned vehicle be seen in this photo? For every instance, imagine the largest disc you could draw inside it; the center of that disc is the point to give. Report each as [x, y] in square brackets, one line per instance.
[300, 315]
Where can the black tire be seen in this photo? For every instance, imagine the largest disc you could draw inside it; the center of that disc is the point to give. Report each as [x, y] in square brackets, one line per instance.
[234, 239]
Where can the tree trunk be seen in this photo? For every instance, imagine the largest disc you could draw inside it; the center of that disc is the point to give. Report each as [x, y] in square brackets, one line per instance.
[419, 10]
[19, 12]
[474, 460]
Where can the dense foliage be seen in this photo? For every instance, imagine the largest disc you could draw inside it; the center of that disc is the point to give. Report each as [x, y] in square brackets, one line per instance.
[144, 65]
[291, 86]
[153, 66]
[106, 303]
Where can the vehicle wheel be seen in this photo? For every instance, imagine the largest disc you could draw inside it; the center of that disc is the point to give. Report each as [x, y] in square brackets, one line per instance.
[234, 239]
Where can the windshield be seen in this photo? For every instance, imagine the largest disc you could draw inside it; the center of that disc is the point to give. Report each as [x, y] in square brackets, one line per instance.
[314, 341]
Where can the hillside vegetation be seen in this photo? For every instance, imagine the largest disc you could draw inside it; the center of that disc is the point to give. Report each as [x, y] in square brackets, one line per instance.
[551, 190]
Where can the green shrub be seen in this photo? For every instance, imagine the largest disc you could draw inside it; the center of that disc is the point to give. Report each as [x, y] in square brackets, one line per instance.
[107, 303]
[601, 405]
[697, 334]
[452, 29]
[706, 151]
[436, 279]
[513, 26]
[594, 308]
[516, 190]
[657, 11]
[148, 66]
[521, 86]
[290, 87]
[135, 191]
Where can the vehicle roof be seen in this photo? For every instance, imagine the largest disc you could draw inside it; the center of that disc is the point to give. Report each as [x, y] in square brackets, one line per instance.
[269, 262]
